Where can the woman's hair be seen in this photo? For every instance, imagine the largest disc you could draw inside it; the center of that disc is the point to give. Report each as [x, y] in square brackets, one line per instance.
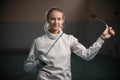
[53, 9]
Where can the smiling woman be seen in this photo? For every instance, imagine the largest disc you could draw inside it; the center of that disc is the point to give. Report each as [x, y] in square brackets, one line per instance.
[22, 20]
[59, 56]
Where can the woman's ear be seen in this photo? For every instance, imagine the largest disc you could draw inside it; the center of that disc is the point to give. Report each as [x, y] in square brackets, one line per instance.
[46, 19]
[63, 19]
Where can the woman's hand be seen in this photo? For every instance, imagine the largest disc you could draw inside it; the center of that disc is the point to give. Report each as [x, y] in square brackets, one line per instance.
[108, 32]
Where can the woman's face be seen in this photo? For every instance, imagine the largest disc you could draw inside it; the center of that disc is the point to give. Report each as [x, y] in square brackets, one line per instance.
[55, 20]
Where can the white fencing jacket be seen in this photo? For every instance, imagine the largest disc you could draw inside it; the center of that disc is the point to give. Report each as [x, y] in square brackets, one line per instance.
[59, 56]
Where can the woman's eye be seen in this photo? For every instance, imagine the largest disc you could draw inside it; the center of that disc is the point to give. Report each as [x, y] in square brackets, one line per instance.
[52, 18]
[59, 18]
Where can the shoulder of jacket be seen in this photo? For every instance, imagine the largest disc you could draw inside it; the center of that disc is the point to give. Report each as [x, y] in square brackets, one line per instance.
[69, 37]
[40, 38]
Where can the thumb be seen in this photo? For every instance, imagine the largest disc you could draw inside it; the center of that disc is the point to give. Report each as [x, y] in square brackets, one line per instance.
[106, 29]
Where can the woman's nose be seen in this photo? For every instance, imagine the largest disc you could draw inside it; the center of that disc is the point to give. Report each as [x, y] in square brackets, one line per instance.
[56, 21]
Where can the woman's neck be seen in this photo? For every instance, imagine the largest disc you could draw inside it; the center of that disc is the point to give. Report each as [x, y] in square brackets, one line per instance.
[54, 31]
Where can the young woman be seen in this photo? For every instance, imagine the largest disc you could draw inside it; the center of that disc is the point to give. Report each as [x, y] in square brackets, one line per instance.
[56, 47]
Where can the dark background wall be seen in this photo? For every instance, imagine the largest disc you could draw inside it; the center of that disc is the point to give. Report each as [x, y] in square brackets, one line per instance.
[21, 21]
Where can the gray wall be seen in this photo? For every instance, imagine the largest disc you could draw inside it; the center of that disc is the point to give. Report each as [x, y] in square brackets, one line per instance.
[22, 20]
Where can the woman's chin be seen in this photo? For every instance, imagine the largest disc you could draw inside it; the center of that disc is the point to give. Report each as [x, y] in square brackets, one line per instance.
[56, 28]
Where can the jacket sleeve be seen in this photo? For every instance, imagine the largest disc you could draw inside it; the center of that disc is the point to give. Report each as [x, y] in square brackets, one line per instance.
[81, 50]
[31, 64]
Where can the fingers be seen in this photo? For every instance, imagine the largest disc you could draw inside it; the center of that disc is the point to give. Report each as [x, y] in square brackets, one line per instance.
[108, 27]
[111, 31]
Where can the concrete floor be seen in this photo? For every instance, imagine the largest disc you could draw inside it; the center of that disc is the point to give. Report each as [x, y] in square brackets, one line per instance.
[100, 68]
